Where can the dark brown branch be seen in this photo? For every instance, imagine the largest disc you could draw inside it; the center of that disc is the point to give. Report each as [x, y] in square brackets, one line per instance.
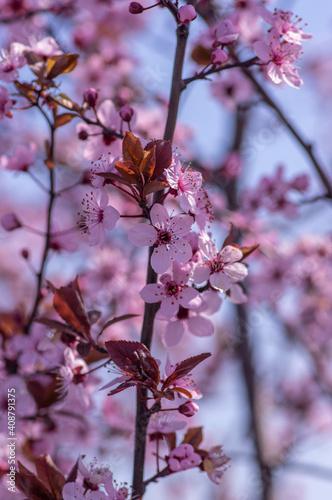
[307, 147]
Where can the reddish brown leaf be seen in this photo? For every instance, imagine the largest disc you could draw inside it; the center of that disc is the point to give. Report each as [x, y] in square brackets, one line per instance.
[130, 172]
[194, 436]
[122, 387]
[29, 484]
[154, 186]
[117, 320]
[148, 163]
[132, 149]
[83, 349]
[182, 391]
[248, 250]
[163, 156]
[72, 476]
[53, 324]
[57, 65]
[27, 90]
[61, 120]
[201, 55]
[170, 440]
[50, 475]
[68, 304]
[229, 238]
[44, 389]
[134, 359]
[114, 177]
[184, 368]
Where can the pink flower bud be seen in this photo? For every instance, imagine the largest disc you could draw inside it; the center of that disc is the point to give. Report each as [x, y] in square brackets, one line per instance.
[188, 409]
[219, 56]
[91, 97]
[83, 135]
[135, 8]
[25, 253]
[300, 183]
[187, 13]
[126, 113]
[10, 222]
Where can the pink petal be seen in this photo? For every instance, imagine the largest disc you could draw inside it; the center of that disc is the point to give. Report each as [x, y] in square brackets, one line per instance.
[159, 215]
[72, 491]
[180, 250]
[201, 273]
[292, 77]
[237, 296]
[161, 259]
[201, 327]
[111, 217]
[103, 199]
[173, 333]
[97, 236]
[236, 271]
[275, 73]
[142, 235]
[230, 254]
[181, 224]
[169, 307]
[190, 298]
[220, 281]
[263, 51]
[152, 293]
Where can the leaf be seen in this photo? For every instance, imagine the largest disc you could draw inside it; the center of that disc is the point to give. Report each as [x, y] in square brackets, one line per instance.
[57, 65]
[122, 387]
[117, 319]
[43, 390]
[83, 349]
[184, 368]
[132, 149]
[134, 359]
[130, 172]
[50, 475]
[64, 101]
[148, 163]
[72, 476]
[182, 391]
[153, 186]
[27, 90]
[229, 238]
[170, 440]
[193, 436]
[61, 120]
[52, 323]
[163, 156]
[114, 177]
[93, 316]
[29, 484]
[248, 250]
[68, 304]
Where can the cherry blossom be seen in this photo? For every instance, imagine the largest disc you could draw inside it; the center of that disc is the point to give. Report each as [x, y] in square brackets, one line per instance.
[232, 90]
[102, 165]
[225, 33]
[187, 13]
[222, 269]
[10, 62]
[279, 56]
[183, 457]
[186, 182]
[172, 292]
[96, 217]
[5, 103]
[164, 423]
[215, 464]
[282, 22]
[167, 236]
[21, 158]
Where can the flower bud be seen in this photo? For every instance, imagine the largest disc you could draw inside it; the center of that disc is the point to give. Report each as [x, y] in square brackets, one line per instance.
[219, 56]
[83, 135]
[188, 409]
[91, 97]
[25, 253]
[187, 13]
[126, 113]
[135, 8]
[10, 222]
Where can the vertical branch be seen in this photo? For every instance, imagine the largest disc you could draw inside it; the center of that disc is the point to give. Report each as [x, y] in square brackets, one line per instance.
[142, 415]
[40, 274]
[243, 349]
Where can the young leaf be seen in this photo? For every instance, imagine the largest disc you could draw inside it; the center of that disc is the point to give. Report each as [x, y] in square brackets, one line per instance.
[61, 120]
[132, 149]
[29, 484]
[57, 65]
[130, 172]
[248, 250]
[229, 238]
[83, 349]
[153, 186]
[184, 368]
[68, 304]
[148, 163]
[50, 475]
[194, 436]
[117, 320]
[163, 156]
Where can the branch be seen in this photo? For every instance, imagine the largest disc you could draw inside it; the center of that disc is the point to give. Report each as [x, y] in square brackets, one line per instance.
[307, 147]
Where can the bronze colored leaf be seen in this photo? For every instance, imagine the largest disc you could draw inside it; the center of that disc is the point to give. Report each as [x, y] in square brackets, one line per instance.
[148, 163]
[130, 172]
[49, 475]
[248, 250]
[194, 436]
[132, 149]
[57, 65]
[163, 156]
[29, 484]
[229, 238]
[68, 304]
[184, 368]
[61, 120]
[201, 55]
[153, 186]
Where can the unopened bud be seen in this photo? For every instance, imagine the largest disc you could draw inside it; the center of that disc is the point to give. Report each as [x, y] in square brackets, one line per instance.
[91, 97]
[219, 56]
[126, 113]
[83, 135]
[187, 13]
[25, 253]
[188, 409]
[10, 222]
[135, 8]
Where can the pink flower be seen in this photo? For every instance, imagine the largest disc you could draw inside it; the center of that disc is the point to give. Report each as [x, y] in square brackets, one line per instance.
[186, 14]
[215, 463]
[164, 423]
[186, 182]
[225, 33]
[96, 217]
[279, 57]
[171, 293]
[219, 56]
[74, 491]
[236, 294]
[204, 214]
[10, 222]
[5, 102]
[97, 142]
[183, 457]
[21, 159]
[167, 235]
[222, 269]
[104, 164]
[188, 409]
[93, 474]
[10, 62]
[282, 22]
[232, 90]
[47, 47]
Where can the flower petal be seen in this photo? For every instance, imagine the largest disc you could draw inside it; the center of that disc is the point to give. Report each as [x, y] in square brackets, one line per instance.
[161, 259]
[111, 217]
[169, 306]
[220, 281]
[201, 273]
[230, 254]
[173, 333]
[236, 271]
[180, 250]
[142, 235]
[201, 327]
[152, 293]
[159, 215]
[189, 298]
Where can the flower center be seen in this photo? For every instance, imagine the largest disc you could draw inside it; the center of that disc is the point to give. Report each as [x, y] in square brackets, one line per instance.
[172, 288]
[108, 139]
[164, 237]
